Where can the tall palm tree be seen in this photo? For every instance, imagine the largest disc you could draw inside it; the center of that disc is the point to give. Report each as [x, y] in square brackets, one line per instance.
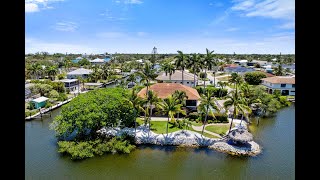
[137, 104]
[52, 72]
[208, 62]
[278, 71]
[152, 100]
[180, 62]
[147, 74]
[222, 84]
[35, 69]
[170, 106]
[194, 63]
[181, 96]
[168, 68]
[207, 105]
[239, 105]
[132, 78]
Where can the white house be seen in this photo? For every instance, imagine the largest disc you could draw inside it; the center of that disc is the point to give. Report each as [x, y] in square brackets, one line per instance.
[286, 84]
[176, 77]
[98, 61]
[71, 84]
[81, 72]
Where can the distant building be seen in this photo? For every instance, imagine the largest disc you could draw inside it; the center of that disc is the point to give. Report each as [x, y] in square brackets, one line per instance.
[81, 72]
[98, 61]
[39, 102]
[176, 77]
[71, 84]
[285, 84]
[163, 90]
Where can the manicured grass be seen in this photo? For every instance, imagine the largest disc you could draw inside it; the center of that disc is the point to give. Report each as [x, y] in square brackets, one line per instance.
[195, 123]
[219, 129]
[160, 127]
[140, 121]
[225, 78]
[204, 134]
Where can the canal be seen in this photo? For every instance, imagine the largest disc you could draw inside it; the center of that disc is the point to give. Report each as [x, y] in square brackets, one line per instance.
[276, 135]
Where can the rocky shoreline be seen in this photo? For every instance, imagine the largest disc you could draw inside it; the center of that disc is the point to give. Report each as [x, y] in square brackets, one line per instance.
[184, 138]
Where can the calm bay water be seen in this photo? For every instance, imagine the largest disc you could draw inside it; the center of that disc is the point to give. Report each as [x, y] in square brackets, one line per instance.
[277, 161]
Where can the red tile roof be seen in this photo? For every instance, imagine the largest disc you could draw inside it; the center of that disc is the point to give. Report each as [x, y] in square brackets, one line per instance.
[163, 90]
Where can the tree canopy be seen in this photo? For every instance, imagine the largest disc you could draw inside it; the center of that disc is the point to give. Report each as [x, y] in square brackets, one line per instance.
[91, 111]
[254, 78]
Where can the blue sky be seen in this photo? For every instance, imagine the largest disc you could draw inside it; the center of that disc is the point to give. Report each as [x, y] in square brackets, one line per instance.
[136, 26]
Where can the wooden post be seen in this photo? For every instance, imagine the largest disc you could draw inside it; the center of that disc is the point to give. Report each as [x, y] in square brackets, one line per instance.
[40, 113]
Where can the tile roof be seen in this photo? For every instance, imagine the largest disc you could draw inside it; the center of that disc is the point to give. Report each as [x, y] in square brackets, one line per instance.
[80, 71]
[280, 80]
[176, 76]
[163, 90]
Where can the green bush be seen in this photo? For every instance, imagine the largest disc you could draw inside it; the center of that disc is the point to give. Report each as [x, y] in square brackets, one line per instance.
[87, 149]
[193, 116]
[28, 113]
[62, 97]
[254, 78]
[221, 118]
[53, 94]
[61, 76]
[284, 102]
[48, 104]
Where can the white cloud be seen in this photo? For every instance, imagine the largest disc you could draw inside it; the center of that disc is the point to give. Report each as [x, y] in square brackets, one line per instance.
[111, 35]
[66, 26]
[216, 4]
[142, 34]
[37, 5]
[31, 7]
[277, 9]
[232, 29]
[221, 18]
[34, 45]
[287, 25]
[133, 2]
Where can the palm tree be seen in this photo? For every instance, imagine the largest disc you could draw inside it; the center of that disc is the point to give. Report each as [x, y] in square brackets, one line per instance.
[278, 71]
[208, 62]
[239, 105]
[137, 103]
[147, 74]
[168, 68]
[152, 99]
[194, 64]
[180, 62]
[132, 78]
[222, 84]
[207, 104]
[35, 70]
[181, 96]
[170, 106]
[52, 72]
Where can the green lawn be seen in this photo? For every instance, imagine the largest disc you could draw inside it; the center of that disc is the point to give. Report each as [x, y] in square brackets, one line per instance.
[219, 129]
[195, 123]
[160, 127]
[225, 78]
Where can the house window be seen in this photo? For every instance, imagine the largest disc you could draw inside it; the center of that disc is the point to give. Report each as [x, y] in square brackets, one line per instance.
[283, 85]
[293, 91]
[191, 82]
[293, 85]
[181, 82]
[187, 82]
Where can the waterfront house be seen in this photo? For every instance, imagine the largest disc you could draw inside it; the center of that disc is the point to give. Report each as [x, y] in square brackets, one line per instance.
[71, 84]
[81, 72]
[163, 90]
[39, 102]
[176, 77]
[286, 84]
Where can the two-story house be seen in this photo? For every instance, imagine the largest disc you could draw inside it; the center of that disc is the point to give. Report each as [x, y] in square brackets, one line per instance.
[286, 84]
[176, 77]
